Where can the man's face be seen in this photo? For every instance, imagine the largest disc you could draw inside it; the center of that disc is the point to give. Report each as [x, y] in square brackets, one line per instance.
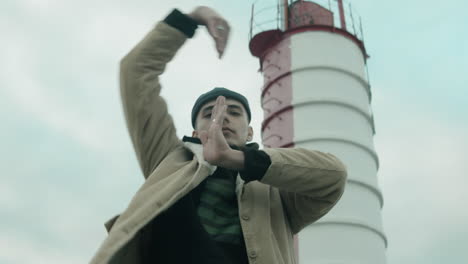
[236, 129]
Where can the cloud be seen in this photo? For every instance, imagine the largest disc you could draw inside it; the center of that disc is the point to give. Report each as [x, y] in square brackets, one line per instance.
[422, 175]
[19, 250]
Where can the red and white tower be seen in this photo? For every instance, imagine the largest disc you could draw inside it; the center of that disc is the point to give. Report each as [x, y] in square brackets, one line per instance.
[316, 95]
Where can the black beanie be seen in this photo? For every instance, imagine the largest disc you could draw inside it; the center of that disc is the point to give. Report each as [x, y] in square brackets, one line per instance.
[212, 95]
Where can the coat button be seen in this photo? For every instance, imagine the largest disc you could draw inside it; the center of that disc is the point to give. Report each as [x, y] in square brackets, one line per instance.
[253, 254]
[245, 217]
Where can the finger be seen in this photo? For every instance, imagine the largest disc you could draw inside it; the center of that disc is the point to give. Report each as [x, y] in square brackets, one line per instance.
[220, 101]
[214, 110]
[212, 131]
[220, 44]
[221, 110]
[219, 29]
[212, 29]
[225, 38]
[222, 40]
[219, 119]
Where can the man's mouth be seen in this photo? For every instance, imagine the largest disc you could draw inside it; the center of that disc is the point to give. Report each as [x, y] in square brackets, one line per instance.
[225, 129]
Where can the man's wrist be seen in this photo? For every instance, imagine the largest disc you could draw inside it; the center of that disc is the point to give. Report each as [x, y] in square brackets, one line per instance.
[256, 164]
[194, 17]
[232, 159]
[182, 22]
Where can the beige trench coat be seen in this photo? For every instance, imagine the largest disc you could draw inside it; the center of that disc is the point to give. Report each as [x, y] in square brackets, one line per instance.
[299, 187]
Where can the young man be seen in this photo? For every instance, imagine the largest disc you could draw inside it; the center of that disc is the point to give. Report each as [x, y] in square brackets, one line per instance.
[210, 198]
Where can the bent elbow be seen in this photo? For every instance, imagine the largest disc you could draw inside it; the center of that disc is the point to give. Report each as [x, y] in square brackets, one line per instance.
[338, 179]
[341, 183]
[341, 176]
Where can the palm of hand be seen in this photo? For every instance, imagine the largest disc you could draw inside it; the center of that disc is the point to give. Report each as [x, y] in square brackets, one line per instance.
[215, 146]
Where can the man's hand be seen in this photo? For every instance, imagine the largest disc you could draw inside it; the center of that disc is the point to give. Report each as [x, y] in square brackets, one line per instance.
[216, 25]
[216, 150]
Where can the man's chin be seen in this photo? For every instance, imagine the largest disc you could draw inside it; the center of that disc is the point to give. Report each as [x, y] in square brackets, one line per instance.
[234, 145]
[231, 142]
[234, 141]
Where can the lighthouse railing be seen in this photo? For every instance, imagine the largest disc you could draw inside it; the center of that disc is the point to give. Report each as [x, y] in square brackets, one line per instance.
[269, 15]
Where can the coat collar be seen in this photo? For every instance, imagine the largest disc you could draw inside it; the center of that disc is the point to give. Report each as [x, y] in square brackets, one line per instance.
[195, 146]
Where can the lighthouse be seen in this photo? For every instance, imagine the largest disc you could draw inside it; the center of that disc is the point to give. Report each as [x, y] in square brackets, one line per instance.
[316, 95]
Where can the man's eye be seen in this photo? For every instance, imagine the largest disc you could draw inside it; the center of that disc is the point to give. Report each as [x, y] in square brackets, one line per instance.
[235, 113]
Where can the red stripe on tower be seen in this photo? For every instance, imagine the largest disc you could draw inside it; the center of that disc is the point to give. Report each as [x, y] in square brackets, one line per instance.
[274, 53]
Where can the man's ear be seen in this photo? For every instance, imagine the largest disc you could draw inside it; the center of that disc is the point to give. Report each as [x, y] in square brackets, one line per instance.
[250, 134]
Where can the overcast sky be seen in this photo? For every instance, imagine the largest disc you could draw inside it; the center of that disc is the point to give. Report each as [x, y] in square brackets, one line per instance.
[66, 159]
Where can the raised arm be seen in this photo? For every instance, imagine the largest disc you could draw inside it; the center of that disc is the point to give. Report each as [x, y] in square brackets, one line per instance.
[151, 128]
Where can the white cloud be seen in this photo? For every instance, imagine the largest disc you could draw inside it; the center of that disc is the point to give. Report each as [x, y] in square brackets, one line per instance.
[23, 87]
[20, 250]
[422, 174]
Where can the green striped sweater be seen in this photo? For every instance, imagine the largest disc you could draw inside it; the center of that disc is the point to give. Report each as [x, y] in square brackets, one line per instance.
[218, 209]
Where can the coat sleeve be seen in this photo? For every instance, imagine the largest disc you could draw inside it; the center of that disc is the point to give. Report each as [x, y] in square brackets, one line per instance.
[310, 183]
[151, 128]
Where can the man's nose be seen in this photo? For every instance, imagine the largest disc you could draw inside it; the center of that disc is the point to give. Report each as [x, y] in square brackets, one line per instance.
[226, 119]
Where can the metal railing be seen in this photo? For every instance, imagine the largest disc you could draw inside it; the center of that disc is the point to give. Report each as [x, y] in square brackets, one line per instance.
[268, 16]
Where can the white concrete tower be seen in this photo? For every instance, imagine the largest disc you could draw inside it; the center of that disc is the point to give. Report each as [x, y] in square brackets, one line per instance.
[316, 95]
